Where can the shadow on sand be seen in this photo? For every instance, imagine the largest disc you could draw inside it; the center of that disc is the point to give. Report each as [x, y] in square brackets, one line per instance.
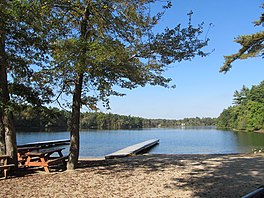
[210, 175]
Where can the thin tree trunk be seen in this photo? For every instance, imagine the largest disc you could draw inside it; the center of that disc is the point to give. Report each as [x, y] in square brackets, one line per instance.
[75, 124]
[2, 136]
[76, 102]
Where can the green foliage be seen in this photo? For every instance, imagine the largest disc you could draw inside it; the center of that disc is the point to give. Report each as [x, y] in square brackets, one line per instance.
[93, 46]
[32, 118]
[29, 118]
[112, 44]
[241, 96]
[163, 123]
[255, 115]
[109, 121]
[251, 46]
[114, 121]
[28, 30]
[248, 112]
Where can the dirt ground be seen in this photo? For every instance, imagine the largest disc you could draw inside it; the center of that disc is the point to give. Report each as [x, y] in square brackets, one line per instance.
[144, 176]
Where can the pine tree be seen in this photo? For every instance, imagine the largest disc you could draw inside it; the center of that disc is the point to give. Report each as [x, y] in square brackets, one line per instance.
[251, 46]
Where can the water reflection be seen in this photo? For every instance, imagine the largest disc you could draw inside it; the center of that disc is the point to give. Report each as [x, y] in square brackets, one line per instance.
[250, 140]
[172, 141]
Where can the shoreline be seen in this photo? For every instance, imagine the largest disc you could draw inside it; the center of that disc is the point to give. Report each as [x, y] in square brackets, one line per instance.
[145, 176]
[242, 131]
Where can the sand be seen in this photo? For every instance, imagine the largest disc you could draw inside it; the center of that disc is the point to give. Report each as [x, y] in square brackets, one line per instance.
[145, 176]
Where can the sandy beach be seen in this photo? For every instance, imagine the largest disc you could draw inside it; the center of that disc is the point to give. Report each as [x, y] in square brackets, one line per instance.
[145, 176]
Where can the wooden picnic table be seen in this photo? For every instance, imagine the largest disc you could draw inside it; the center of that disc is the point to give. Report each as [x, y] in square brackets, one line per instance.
[22, 151]
[46, 144]
[45, 158]
[5, 166]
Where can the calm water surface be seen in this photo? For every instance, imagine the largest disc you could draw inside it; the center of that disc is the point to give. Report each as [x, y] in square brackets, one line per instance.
[97, 143]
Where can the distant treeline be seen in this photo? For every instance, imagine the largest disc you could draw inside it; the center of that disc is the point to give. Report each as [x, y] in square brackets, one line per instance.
[247, 113]
[40, 118]
[114, 121]
[43, 118]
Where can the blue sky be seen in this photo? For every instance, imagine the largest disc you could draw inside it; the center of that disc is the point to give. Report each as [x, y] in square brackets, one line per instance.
[200, 89]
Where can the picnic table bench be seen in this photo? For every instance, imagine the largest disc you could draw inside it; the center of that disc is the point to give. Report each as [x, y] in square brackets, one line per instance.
[45, 158]
[5, 166]
[22, 153]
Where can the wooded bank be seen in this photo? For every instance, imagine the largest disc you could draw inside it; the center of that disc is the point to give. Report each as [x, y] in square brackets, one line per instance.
[52, 119]
[247, 113]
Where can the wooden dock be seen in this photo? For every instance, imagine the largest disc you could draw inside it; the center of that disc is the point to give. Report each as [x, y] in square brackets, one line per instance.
[46, 144]
[134, 149]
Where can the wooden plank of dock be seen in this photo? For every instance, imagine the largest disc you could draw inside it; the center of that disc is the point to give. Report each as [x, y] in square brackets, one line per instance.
[45, 144]
[134, 149]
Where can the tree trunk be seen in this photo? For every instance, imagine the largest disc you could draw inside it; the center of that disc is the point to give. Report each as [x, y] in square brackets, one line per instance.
[76, 102]
[8, 135]
[2, 48]
[75, 124]
[2, 136]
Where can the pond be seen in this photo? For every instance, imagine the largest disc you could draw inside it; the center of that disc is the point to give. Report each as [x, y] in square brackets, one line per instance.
[198, 140]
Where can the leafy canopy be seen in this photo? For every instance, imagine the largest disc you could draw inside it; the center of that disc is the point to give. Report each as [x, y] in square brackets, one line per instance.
[112, 44]
[28, 28]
